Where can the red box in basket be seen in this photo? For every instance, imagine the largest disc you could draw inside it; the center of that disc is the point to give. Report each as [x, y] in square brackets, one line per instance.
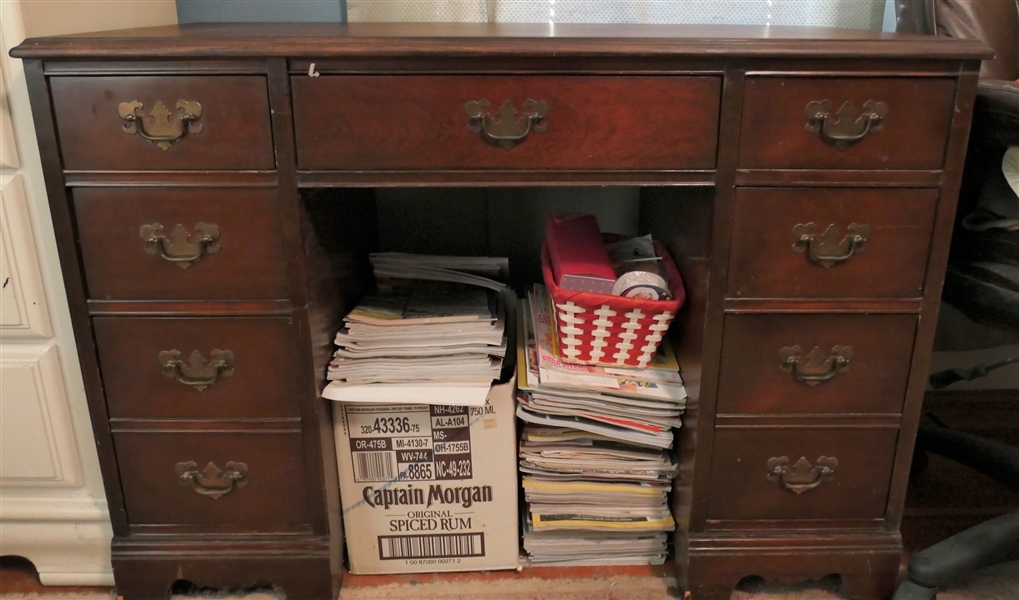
[602, 329]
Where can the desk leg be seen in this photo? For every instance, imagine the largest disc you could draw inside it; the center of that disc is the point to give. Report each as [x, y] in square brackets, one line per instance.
[867, 564]
[146, 570]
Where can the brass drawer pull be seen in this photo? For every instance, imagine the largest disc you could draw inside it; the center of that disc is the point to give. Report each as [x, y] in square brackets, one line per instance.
[801, 477]
[505, 129]
[180, 248]
[845, 128]
[211, 481]
[828, 250]
[159, 126]
[818, 367]
[196, 372]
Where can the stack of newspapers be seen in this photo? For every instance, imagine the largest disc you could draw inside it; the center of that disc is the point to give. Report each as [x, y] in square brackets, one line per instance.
[434, 332]
[595, 452]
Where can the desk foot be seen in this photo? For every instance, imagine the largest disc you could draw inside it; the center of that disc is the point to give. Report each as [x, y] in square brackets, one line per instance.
[150, 569]
[867, 563]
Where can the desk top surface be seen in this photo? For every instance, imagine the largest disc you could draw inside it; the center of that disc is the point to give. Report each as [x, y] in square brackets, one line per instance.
[319, 40]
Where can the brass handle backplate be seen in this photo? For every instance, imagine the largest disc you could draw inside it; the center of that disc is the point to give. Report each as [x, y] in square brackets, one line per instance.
[829, 249]
[180, 247]
[802, 476]
[211, 481]
[817, 367]
[161, 126]
[844, 128]
[197, 372]
[504, 129]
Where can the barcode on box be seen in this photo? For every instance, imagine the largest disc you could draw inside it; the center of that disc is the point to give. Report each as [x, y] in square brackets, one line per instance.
[374, 466]
[456, 545]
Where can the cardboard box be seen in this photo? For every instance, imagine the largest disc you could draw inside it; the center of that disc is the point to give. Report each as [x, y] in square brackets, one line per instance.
[429, 488]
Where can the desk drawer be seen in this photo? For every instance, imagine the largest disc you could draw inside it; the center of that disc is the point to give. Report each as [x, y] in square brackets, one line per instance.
[147, 244]
[800, 474]
[250, 480]
[780, 130]
[422, 122]
[758, 374]
[244, 367]
[830, 243]
[172, 123]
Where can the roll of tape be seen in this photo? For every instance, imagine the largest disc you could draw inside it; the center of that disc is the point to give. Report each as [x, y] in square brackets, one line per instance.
[641, 284]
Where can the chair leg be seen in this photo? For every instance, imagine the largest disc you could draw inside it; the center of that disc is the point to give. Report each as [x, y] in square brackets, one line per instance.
[989, 543]
[992, 458]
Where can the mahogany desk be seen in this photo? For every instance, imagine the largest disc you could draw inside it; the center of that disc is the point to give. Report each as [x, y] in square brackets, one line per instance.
[212, 187]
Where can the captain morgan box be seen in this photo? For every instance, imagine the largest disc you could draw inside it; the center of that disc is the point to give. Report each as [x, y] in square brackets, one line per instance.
[429, 488]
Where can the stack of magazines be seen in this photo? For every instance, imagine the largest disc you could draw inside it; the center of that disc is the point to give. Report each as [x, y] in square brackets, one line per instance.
[596, 451]
[433, 333]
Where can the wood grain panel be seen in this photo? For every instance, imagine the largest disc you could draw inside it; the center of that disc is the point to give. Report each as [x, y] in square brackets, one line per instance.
[529, 42]
[274, 497]
[235, 123]
[419, 122]
[765, 264]
[875, 381]
[741, 489]
[912, 135]
[250, 263]
[262, 385]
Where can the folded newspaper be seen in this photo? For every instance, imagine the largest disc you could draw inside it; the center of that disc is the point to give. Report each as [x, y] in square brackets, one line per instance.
[434, 333]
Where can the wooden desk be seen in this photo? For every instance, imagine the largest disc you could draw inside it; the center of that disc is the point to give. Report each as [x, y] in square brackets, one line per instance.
[805, 179]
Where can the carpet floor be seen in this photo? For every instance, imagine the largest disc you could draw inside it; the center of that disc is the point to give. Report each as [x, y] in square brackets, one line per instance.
[995, 583]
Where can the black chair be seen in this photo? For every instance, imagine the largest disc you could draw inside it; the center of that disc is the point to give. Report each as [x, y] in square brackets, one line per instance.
[982, 279]
[992, 542]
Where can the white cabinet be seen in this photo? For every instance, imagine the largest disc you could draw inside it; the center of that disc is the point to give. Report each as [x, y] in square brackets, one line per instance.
[52, 506]
[22, 297]
[37, 447]
[8, 151]
[48, 513]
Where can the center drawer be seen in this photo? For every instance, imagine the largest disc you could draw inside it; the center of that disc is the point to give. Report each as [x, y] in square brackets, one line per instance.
[237, 367]
[506, 122]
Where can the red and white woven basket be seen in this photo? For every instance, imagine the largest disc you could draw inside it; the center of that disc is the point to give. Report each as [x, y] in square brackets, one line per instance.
[602, 329]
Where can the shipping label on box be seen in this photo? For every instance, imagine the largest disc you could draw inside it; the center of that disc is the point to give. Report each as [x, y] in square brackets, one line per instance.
[429, 488]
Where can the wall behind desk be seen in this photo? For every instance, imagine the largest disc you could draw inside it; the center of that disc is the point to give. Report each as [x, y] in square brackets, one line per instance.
[261, 11]
[61, 17]
[211, 11]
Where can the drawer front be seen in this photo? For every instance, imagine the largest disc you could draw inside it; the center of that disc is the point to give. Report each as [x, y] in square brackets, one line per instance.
[815, 363]
[800, 474]
[181, 244]
[237, 367]
[845, 123]
[423, 122]
[157, 123]
[830, 243]
[255, 481]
